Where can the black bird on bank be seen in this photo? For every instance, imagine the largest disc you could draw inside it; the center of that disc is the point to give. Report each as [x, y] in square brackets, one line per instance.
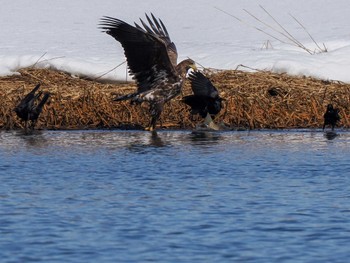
[30, 107]
[331, 116]
[205, 100]
[152, 60]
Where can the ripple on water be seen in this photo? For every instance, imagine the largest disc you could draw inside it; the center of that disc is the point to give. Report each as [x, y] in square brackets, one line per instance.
[174, 196]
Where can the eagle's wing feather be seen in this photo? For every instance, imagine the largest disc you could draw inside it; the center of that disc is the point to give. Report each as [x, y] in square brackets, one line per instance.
[146, 53]
[159, 30]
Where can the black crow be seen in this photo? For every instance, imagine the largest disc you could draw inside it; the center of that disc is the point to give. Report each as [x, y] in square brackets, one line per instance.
[331, 116]
[30, 107]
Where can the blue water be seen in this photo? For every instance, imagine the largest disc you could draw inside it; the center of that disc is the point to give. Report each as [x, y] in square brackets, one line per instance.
[174, 196]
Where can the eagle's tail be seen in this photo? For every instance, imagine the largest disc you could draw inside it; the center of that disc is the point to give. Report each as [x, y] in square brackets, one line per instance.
[126, 97]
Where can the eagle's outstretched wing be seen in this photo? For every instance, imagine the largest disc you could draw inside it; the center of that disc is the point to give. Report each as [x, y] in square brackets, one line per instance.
[159, 30]
[146, 53]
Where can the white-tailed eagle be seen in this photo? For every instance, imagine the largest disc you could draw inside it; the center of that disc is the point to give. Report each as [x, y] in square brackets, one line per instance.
[152, 61]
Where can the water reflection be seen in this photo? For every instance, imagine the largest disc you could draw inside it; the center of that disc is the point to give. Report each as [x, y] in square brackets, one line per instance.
[92, 141]
[200, 137]
[155, 140]
[179, 185]
[34, 139]
[330, 135]
[147, 141]
[18, 139]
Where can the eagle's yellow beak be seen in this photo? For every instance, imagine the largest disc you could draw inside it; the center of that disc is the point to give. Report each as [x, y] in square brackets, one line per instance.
[191, 68]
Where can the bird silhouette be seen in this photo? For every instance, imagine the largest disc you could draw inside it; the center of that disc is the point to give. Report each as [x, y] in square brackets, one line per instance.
[30, 107]
[205, 99]
[331, 116]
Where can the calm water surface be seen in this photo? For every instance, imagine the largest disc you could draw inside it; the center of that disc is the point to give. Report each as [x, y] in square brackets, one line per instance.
[174, 196]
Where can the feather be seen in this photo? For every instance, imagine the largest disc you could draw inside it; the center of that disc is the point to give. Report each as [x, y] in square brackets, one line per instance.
[205, 99]
[29, 109]
[151, 57]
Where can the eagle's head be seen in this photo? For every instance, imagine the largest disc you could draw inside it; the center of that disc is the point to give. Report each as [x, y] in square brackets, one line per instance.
[185, 66]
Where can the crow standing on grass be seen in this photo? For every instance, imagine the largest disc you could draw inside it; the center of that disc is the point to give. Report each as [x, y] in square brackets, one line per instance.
[152, 60]
[30, 107]
[205, 100]
[331, 116]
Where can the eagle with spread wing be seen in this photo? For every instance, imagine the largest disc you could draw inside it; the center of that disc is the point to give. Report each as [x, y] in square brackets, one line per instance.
[30, 107]
[205, 99]
[152, 61]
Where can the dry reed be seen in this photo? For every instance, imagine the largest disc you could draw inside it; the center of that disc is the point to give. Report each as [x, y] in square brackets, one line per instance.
[253, 100]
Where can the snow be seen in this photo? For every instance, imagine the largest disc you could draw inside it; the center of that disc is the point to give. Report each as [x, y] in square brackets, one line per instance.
[218, 34]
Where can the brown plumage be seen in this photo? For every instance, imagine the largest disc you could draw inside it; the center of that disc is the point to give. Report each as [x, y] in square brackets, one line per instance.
[152, 60]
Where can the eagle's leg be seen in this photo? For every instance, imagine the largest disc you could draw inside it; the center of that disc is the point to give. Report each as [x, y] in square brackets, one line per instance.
[33, 124]
[152, 125]
[26, 126]
[153, 122]
[155, 111]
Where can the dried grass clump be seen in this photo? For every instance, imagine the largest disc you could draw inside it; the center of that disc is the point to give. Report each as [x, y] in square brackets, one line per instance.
[254, 100]
[265, 100]
[74, 103]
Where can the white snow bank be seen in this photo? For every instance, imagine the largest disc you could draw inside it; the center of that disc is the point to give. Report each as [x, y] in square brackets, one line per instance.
[67, 33]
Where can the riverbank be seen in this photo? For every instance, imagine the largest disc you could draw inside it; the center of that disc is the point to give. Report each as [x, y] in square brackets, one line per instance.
[253, 100]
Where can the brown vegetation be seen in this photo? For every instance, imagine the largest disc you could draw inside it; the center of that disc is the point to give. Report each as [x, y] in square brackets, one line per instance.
[254, 100]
